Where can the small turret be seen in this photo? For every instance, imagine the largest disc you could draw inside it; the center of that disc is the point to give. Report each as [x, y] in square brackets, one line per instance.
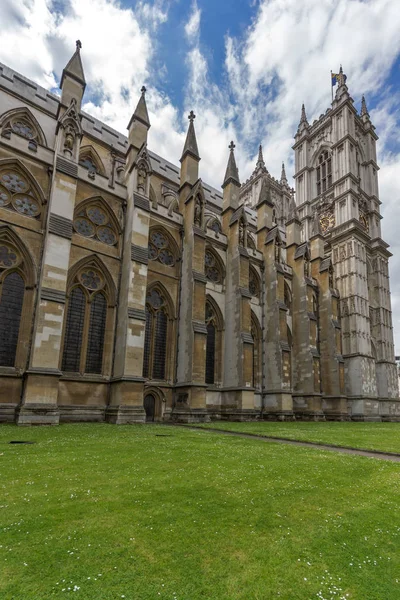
[73, 81]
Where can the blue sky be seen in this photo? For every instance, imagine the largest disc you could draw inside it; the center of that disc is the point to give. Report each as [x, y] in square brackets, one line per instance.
[243, 66]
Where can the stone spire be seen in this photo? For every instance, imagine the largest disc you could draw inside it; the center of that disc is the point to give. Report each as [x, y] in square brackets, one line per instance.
[73, 81]
[232, 173]
[303, 118]
[293, 214]
[190, 146]
[284, 180]
[141, 113]
[74, 67]
[260, 160]
[364, 109]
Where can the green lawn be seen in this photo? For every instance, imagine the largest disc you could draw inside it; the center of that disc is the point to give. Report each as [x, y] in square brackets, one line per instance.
[148, 512]
[368, 436]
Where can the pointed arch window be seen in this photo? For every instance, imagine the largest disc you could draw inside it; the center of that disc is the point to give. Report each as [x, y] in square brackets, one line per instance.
[324, 172]
[22, 123]
[213, 370]
[257, 352]
[212, 267]
[156, 336]
[85, 324]
[17, 193]
[89, 159]
[95, 222]
[254, 283]
[12, 291]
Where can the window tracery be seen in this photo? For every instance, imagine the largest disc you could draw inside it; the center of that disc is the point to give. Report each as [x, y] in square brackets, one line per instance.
[22, 123]
[94, 222]
[212, 268]
[12, 290]
[254, 283]
[17, 194]
[85, 324]
[91, 162]
[160, 248]
[155, 343]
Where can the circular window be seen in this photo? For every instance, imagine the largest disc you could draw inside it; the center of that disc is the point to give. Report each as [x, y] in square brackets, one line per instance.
[26, 205]
[13, 182]
[91, 279]
[84, 227]
[8, 257]
[96, 215]
[106, 235]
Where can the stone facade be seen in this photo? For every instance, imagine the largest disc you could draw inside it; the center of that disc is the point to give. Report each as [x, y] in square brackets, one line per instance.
[132, 290]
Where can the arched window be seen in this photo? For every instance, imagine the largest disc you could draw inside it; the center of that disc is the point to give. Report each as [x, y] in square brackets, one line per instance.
[94, 221]
[213, 374]
[254, 283]
[155, 342]
[257, 352]
[89, 159]
[85, 323]
[212, 267]
[324, 172]
[22, 122]
[161, 248]
[17, 193]
[12, 290]
[12, 294]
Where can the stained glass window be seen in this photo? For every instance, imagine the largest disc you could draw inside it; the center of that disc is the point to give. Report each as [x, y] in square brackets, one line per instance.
[24, 129]
[160, 249]
[212, 270]
[156, 336]
[11, 301]
[93, 221]
[74, 331]
[97, 325]
[17, 194]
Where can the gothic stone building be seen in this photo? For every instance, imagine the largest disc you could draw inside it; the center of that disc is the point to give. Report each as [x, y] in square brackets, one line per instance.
[132, 290]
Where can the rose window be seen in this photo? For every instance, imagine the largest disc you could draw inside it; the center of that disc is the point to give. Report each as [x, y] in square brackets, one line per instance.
[17, 194]
[159, 249]
[213, 273]
[8, 257]
[94, 222]
[91, 279]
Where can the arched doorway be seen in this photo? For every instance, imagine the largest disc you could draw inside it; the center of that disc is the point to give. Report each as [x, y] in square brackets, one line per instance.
[150, 408]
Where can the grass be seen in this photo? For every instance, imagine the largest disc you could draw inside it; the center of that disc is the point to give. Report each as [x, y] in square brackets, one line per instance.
[148, 512]
[367, 436]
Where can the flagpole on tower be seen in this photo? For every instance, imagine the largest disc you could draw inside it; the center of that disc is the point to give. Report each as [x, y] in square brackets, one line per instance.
[331, 86]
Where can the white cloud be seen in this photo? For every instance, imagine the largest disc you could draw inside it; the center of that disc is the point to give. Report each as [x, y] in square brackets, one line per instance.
[192, 27]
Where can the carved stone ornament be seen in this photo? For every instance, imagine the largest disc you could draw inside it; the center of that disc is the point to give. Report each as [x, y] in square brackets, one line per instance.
[327, 221]
[70, 122]
[364, 220]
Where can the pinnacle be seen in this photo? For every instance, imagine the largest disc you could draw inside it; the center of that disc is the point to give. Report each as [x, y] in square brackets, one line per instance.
[190, 146]
[283, 174]
[141, 113]
[364, 109]
[74, 67]
[232, 173]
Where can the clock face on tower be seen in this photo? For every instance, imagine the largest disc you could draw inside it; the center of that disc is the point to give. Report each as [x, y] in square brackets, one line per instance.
[327, 221]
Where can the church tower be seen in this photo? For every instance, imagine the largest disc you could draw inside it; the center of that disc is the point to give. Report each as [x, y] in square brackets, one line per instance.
[337, 193]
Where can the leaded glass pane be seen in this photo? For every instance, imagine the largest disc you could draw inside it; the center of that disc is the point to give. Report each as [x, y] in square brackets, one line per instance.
[154, 299]
[106, 235]
[210, 354]
[147, 343]
[14, 182]
[97, 326]
[96, 215]
[8, 257]
[12, 297]
[166, 258]
[74, 332]
[158, 239]
[24, 129]
[91, 279]
[160, 345]
[4, 197]
[88, 163]
[84, 227]
[26, 206]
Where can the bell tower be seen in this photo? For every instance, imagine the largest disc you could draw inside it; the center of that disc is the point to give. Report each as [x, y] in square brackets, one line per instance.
[337, 186]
